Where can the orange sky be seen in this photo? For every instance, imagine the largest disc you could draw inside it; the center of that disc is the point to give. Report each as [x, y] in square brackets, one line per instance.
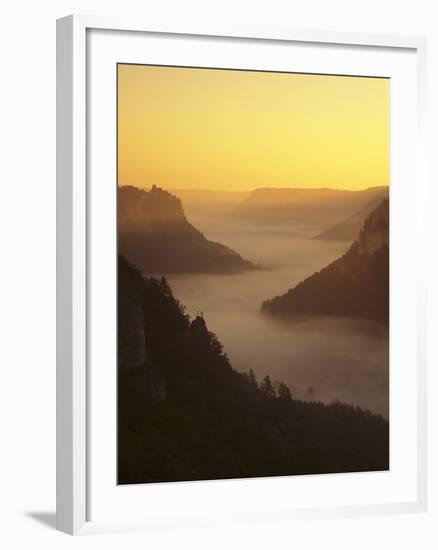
[240, 130]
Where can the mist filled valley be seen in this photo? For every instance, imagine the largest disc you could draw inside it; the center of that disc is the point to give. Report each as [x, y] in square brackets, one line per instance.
[319, 357]
[248, 343]
[253, 273]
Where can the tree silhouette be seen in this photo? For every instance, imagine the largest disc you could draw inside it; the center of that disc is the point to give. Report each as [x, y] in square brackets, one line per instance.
[252, 379]
[185, 414]
[267, 387]
[283, 391]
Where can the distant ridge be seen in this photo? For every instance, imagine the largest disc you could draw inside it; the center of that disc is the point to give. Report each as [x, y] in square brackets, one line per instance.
[155, 235]
[207, 202]
[319, 206]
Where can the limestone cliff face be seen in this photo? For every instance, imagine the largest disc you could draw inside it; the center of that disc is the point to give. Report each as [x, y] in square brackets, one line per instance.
[131, 335]
[375, 232]
[321, 206]
[354, 285]
[154, 210]
[133, 361]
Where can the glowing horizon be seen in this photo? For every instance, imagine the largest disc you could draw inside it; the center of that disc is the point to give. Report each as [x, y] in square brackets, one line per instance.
[225, 130]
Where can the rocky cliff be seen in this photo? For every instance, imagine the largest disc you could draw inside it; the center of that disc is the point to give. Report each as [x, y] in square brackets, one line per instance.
[154, 210]
[374, 234]
[155, 235]
[136, 370]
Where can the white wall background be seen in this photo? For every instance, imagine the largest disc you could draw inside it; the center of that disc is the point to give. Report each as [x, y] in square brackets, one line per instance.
[27, 273]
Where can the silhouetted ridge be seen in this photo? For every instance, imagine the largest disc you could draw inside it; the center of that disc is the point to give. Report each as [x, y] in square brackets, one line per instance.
[355, 285]
[154, 234]
[185, 414]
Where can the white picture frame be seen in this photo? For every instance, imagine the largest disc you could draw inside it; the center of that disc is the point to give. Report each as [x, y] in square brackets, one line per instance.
[74, 220]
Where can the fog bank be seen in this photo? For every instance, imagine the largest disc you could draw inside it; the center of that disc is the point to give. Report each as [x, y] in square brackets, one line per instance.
[323, 359]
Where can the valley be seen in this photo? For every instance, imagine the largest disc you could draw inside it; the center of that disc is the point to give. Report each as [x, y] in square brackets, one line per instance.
[319, 357]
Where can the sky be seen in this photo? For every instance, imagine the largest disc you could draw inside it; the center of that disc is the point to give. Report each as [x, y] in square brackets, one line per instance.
[191, 128]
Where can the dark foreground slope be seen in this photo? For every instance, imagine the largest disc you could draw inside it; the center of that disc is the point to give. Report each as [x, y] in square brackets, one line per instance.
[185, 414]
[355, 285]
[154, 234]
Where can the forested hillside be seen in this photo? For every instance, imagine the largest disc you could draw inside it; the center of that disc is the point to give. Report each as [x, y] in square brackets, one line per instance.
[185, 414]
[355, 285]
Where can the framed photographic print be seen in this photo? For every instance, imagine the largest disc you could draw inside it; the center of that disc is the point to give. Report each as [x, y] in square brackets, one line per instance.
[241, 290]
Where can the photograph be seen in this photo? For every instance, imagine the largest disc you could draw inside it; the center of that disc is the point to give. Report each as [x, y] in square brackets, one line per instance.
[218, 295]
[253, 280]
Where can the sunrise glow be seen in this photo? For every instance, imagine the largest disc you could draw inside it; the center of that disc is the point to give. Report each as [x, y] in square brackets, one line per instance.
[242, 130]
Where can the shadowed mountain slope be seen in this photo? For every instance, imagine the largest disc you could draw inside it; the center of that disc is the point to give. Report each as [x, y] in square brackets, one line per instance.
[355, 285]
[154, 234]
[185, 414]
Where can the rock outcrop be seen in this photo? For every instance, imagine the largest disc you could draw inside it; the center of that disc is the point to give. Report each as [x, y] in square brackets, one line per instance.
[323, 206]
[131, 350]
[155, 235]
[134, 363]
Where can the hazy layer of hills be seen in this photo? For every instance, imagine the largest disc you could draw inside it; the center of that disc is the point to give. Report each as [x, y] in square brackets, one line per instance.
[355, 285]
[185, 414]
[154, 234]
[319, 206]
[348, 229]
